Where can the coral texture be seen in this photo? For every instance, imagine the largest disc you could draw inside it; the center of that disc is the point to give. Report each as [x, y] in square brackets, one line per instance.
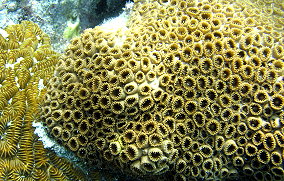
[26, 61]
[188, 90]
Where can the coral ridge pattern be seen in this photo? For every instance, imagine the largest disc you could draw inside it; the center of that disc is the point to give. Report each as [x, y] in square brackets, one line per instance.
[27, 62]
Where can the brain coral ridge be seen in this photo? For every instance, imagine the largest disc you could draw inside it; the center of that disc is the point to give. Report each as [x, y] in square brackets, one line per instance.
[26, 60]
[189, 90]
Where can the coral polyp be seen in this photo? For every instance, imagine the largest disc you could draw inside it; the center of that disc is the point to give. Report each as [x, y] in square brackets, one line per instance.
[185, 84]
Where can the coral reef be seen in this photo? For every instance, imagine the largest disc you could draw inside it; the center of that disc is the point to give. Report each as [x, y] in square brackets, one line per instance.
[27, 62]
[187, 90]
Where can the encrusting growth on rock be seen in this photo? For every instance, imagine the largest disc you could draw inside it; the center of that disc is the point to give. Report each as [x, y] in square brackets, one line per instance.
[188, 90]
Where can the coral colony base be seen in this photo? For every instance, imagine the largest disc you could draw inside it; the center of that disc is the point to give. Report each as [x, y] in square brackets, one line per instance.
[188, 90]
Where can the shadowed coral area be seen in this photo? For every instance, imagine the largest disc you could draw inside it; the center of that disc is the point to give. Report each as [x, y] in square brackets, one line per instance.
[27, 62]
[188, 90]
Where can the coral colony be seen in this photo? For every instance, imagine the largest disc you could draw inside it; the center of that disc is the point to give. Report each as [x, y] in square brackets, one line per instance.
[186, 90]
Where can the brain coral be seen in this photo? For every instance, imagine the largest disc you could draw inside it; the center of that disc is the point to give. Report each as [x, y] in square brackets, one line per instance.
[189, 90]
[26, 59]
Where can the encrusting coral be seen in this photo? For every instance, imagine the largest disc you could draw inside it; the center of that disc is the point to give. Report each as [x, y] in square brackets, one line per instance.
[188, 90]
[27, 61]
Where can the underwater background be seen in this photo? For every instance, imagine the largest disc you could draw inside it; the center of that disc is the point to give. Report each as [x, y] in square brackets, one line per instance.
[141, 90]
